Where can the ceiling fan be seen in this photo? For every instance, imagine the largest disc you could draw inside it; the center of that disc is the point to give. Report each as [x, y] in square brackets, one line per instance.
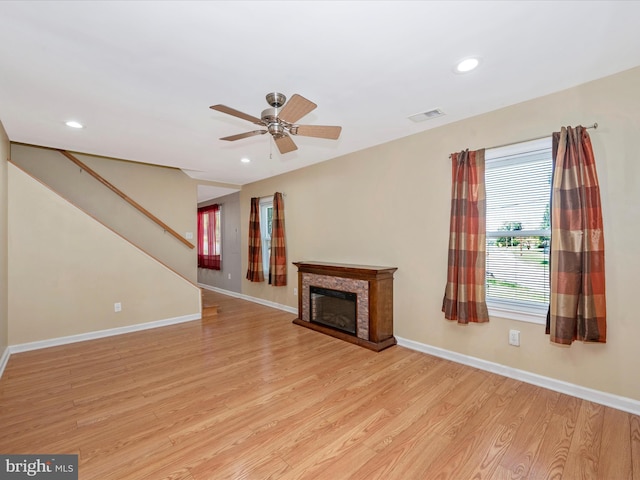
[280, 121]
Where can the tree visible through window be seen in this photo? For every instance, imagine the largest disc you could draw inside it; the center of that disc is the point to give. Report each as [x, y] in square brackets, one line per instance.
[518, 189]
[209, 238]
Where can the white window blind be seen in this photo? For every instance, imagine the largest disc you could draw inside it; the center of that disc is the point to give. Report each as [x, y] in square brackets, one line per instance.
[518, 188]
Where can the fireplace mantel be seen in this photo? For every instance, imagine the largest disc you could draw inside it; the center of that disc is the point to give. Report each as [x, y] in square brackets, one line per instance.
[374, 288]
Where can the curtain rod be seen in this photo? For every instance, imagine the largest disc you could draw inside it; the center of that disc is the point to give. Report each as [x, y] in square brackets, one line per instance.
[594, 126]
[284, 195]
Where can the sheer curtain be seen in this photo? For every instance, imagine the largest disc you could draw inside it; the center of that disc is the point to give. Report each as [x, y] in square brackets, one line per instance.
[208, 241]
[577, 309]
[465, 292]
[254, 270]
[278, 257]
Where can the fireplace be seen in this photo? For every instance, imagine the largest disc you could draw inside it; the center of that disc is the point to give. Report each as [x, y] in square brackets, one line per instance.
[350, 302]
[333, 308]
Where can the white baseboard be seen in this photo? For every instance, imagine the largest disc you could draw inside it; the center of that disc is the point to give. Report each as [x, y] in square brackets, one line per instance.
[54, 342]
[279, 306]
[610, 400]
[4, 359]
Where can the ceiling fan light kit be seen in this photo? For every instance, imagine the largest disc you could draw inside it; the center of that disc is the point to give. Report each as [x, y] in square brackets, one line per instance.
[280, 121]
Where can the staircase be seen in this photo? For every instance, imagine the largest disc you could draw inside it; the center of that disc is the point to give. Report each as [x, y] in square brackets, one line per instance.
[97, 186]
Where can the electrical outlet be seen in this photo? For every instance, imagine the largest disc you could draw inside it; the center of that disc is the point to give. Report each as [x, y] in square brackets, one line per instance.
[514, 338]
[295, 291]
[117, 307]
[189, 235]
[229, 277]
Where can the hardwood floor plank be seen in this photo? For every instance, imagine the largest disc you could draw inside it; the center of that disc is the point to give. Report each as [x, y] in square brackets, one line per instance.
[423, 403]
[479, 441]
[554, 446]
[244, 393]
[554, 449]
[469, 396]
[535, 413]
[616, 437]
[411, 452]
[342, 466]
[182, 474]
[584, 452]
[635, 446]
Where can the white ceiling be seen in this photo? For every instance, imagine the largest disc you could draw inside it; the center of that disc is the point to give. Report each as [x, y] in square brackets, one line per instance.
[141, 75]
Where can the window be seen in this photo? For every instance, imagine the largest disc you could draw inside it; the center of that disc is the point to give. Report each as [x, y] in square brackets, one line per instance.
[518, 192]
[209, 238]
[266, 215]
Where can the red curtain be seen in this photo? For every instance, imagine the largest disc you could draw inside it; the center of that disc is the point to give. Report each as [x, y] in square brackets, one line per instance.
[278, 257]
[254, 270]
[208, 238]
[577, 310]
[465, 292]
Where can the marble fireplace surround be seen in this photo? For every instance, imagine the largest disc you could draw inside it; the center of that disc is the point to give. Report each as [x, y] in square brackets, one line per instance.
[373, 287]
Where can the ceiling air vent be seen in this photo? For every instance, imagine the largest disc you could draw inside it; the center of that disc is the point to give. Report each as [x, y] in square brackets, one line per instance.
[421, 117]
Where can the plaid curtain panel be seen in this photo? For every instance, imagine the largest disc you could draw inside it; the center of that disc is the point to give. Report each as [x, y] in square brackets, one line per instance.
[278, 258]
[465, 293]
[254, 271]
[577, 308]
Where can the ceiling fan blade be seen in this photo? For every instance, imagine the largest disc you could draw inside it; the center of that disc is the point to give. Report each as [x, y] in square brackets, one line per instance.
[318, 131]
[237, 113]
[296, 108]
[244, 135]
[285, 144]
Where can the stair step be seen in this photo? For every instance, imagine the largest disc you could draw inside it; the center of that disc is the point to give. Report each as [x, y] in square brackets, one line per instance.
[209, 311]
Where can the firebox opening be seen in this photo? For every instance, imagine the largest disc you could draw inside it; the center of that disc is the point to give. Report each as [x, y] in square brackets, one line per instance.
[333, 308]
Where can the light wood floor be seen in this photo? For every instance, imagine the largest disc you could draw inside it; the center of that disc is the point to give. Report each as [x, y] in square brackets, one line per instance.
[248, 395]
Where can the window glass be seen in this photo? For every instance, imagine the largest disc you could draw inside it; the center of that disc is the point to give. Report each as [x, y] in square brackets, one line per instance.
[266, 216]
[204, 235]
[209, 237]
[518, 192]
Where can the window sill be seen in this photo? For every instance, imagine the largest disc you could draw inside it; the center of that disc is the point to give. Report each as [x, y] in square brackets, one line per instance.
[520, 312]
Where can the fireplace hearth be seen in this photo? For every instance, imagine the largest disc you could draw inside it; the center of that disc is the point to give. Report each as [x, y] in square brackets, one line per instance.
[350, 302]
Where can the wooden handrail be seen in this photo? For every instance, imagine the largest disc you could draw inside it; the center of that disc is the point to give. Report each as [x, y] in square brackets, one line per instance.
[129, 200]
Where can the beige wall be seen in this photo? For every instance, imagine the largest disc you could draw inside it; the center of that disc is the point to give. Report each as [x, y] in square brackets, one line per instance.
[165, 192]
[66, 271]
[389, 205]
[4, 289]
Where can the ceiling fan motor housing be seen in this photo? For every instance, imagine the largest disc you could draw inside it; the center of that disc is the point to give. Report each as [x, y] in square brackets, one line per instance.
[276, 127]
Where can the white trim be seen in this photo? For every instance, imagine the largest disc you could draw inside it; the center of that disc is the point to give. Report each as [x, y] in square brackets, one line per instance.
[4, 359]
[608, 399]
[54, 342]
[517, 312]
[268, 303]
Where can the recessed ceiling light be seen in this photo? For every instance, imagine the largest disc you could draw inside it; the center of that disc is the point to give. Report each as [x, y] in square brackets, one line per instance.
[74, 124]
[245, 160]
[467, 65]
